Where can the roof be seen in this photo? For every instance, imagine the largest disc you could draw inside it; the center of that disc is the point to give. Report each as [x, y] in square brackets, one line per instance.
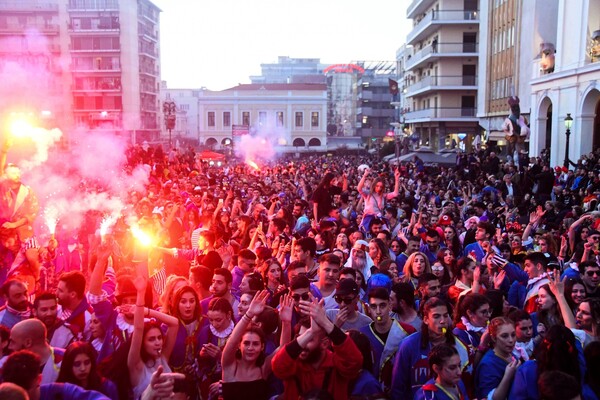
[279, 86]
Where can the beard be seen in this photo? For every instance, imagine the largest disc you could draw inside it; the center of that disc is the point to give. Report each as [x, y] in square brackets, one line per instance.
[359, 263]
[313, 356]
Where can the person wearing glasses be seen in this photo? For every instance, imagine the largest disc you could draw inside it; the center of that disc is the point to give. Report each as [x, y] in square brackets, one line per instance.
[347, 316]
[385, 335]
[590, 275]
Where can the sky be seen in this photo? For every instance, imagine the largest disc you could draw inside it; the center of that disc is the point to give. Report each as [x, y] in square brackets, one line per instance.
[218, 44]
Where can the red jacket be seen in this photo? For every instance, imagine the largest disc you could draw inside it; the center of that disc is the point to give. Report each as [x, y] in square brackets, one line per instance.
[344, 364]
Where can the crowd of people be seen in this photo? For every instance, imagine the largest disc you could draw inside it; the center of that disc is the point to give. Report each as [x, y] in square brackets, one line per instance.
[323, 277]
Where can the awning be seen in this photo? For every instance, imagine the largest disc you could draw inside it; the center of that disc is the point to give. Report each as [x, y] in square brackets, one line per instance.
[429, 158]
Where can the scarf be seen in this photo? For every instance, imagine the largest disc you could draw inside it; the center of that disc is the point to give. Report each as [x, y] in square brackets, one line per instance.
[470, 327]
[22, 314]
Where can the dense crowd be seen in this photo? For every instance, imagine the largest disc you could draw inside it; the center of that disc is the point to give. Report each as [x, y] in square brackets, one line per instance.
[323, 277]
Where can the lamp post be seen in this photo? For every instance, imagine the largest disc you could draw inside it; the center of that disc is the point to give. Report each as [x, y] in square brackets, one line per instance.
[568, 124]
[169, 110]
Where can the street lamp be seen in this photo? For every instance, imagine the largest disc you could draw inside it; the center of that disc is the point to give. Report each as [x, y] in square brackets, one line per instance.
[169, 110]
[568, 124]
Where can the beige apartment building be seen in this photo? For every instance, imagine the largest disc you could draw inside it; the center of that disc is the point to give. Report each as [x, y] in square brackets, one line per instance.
[292, 117]
[441, 73]
[101, 59]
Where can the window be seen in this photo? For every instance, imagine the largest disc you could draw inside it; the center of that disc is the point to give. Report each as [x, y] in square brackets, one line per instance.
[226, 118]
[262, 118]
[246, 118]
[299, 117]
[279, 118]
[211, 119]
[314, 119]
[184, 107]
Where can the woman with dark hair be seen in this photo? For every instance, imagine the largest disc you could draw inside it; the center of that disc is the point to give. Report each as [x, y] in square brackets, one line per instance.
[452, 240]
[376, 198]
[389, 267]
[471, 319]
[378, 251]
[446, 384]
[467, 275]
[410, 371]
[575, 293]
[185, 306]
[365, 383]
[548, 313]
[443, 266]
[273, 275]
[559, 351]
[149, 347]
[213, 338]
[241, 237]
[496, 370]
[79, 368]
[245, 365]
[322, 198]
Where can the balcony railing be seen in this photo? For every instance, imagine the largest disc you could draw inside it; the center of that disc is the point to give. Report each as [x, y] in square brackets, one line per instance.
[441, 49]
[27, 5]
[103, 5]
[442, 81]
[447, 112]
[442, 16]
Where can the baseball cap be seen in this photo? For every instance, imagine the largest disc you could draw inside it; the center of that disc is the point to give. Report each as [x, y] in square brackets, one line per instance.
[445, 220]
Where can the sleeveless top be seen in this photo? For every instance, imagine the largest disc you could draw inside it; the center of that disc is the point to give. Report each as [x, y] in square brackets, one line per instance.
[257, 390]
[147, 375]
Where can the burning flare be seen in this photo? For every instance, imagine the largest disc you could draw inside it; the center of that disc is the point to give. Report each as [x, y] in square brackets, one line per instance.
[253, 164]
[51, 219]
[106, 223]
[142, 237]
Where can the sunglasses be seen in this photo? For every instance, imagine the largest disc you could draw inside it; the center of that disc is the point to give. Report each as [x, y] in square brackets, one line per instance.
[592, 273]
[437, 268]
[303, 296]
[346, 300]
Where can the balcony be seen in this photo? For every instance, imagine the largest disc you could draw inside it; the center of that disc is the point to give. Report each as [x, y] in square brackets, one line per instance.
[434, 19]
[93, 5]
[16, 29]
[28, 5]
[418, 7]
[432, 53]
[436, 83]
[442, 114]
[149, 52]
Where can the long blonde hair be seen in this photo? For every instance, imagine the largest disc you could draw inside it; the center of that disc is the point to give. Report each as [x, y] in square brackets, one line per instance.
[408, 273]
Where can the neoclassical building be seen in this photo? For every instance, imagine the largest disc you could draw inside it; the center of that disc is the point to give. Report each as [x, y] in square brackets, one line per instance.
[573, 87]
[292, 116]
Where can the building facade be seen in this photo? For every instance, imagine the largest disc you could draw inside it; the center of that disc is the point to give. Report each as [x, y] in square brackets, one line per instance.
[187, 117]
[104, 54]
[572, 87]
[291, 70]
[441, 73]
[374, 112]
[293, 117]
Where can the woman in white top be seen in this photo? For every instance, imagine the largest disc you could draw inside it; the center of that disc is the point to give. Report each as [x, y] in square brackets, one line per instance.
[149, 349]
[375, 198]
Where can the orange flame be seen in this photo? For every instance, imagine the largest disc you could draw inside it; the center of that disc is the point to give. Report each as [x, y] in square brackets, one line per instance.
[253, 164]
[142, 237]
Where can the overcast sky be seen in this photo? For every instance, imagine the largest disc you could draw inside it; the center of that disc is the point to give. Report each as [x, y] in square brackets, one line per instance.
[220, 43]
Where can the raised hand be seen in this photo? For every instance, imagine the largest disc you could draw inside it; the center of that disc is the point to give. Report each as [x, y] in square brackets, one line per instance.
[499, 278]
[512, 366]
[316, 311]
[286, 305]
[341, 317]
[258, 303]
[557, 287]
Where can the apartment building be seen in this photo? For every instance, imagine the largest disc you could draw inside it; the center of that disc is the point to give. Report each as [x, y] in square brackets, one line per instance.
[104, 55]
[292, 117]
[441, 73]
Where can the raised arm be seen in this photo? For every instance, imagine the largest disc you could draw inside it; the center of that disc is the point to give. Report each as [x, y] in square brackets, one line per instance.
[362, 181]
[558, 289]
[97, 276]
[233, 343]
[134, 359]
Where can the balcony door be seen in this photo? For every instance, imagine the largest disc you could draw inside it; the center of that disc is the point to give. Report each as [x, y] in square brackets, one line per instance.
[469, 42]
[467, 106]
[468, 74]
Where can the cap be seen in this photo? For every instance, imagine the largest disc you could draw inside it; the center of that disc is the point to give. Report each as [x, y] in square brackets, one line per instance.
[361, 245]
[346, 286]
[445, 220]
